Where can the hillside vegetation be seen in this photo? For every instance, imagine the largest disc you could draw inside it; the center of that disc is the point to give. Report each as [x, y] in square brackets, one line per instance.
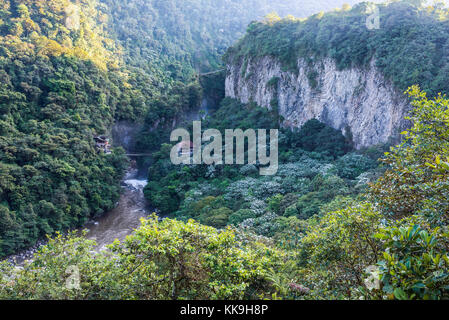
[410, 47]
[59, 87]
[183, 36]
[337, 255]
[334, 223]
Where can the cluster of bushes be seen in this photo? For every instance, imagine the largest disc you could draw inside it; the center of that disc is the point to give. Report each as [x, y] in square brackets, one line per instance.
[402, 231]
[161, 260]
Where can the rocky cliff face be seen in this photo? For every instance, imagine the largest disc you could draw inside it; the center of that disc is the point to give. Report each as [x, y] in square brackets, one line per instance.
[124, 134]
[360, 100]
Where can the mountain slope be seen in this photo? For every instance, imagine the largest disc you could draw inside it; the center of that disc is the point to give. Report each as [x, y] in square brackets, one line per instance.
[332, 67]
[59, 87]
[184, 36]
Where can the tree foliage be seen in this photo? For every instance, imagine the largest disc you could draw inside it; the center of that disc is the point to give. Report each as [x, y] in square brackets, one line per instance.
[417, 181]
[162, 260]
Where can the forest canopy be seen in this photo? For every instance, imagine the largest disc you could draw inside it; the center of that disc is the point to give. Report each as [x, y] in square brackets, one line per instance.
[69, 70]
[325, 257]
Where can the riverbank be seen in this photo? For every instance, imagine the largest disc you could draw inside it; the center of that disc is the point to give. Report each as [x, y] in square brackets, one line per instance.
[125, 217]
[115, 224]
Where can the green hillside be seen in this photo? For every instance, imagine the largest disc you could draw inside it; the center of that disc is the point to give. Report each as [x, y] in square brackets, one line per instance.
[332, 217]
[69, 70]
[410, 47]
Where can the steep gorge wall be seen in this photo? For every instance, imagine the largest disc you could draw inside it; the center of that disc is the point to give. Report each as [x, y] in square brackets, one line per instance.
[361, 100]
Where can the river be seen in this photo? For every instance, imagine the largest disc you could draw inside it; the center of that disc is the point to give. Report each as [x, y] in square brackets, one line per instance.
[123, 219]
[115, 224]
[132, 206]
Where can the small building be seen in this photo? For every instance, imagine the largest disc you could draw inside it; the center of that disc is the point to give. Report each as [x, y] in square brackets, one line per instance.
[102, 144]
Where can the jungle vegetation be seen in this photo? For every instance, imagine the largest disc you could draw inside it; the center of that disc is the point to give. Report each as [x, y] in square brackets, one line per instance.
[70, 69]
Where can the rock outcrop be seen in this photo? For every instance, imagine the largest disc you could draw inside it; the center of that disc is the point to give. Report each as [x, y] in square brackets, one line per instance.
[124, 134]
[360, 102]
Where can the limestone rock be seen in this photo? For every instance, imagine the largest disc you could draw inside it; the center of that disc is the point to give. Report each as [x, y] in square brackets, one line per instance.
[361, 100]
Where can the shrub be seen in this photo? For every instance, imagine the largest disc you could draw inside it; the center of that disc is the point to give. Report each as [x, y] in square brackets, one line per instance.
[415, 263]
[241, 215]
[336, 251]
[165, 259]
[309, 205]
[353, 165]
[217, 218]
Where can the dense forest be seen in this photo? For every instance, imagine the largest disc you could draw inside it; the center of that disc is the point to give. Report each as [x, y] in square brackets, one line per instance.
[57, 93]
[398, 224]
[70, 69]
[184, 36]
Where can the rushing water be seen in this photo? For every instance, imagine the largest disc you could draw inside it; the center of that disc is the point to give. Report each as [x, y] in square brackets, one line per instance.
[115, 224]
[132, 206]
[125, 218]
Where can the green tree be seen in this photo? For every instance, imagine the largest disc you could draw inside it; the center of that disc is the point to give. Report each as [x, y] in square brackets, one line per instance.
[162, 260]
[337, 250]
[417, 181]
[416, 262]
